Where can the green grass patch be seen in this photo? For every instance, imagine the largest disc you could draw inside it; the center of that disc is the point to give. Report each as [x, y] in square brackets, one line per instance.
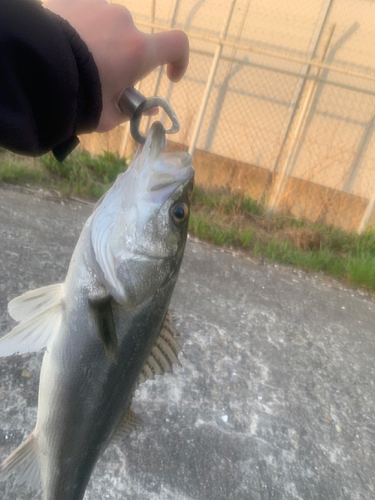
[361, 270]
[223, 201]
[247, 237]
[81, 174]
[205, 229]
[284, 239]
[85, 175]
[21, 174]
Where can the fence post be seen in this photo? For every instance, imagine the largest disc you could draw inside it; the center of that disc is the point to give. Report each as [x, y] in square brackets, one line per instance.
[300, 117]
[357, 162]
[367, 215]
[211, 76]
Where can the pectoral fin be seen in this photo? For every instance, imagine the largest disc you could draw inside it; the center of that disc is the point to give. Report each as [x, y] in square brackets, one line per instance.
[106, 326]
[39, 312]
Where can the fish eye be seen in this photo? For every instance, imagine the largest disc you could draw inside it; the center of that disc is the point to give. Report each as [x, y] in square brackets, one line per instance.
[180, 212]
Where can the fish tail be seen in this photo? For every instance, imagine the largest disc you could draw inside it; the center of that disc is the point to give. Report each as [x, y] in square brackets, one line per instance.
[24, 463]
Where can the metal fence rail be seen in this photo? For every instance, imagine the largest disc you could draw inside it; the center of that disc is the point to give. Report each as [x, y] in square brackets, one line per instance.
[288, 89]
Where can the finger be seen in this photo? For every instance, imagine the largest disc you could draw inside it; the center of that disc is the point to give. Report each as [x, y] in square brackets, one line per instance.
[112, 117]
[171, 48]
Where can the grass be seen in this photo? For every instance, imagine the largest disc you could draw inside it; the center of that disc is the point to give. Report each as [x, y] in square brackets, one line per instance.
[82, 174]
[20, 174]
[240, 222]
[224, 218]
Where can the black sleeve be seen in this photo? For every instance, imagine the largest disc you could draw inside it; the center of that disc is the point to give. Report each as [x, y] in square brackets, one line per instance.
[49, 84]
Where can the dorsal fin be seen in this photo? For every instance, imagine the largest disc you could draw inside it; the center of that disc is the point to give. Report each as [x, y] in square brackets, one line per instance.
[161, 359]
[39, 312]
[163, 355]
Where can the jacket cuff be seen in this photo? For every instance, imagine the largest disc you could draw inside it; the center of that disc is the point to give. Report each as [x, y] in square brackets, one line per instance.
[89, 96]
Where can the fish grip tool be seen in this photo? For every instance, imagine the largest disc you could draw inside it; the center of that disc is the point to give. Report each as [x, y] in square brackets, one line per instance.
[133, 104]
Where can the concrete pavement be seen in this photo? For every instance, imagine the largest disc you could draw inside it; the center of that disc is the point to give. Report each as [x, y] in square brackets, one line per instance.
[275, 397]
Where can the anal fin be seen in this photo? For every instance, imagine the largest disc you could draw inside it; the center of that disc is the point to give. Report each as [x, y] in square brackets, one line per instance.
[128, 424]
[23, 462]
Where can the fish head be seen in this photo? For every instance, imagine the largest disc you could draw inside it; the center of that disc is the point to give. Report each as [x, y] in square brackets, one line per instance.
[139, 230]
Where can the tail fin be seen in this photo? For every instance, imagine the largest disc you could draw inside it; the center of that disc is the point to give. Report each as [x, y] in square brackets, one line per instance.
[24, 462]
[39, 312]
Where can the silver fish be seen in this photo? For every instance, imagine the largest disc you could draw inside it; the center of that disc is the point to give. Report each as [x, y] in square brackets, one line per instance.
[106, 328]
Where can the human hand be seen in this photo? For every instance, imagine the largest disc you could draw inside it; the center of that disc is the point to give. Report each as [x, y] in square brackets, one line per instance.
[123, 54]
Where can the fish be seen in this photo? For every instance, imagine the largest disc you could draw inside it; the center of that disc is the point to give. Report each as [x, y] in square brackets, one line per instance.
[107, 328]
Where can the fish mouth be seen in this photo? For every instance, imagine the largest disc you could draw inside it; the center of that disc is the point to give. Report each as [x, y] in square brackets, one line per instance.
[177, 170]
[161, 170]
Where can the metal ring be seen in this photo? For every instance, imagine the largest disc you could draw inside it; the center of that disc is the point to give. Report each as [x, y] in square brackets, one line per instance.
[149, 103]
[130, 101]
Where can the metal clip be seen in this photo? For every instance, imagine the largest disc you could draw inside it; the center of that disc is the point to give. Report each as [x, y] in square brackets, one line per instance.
[134, 104]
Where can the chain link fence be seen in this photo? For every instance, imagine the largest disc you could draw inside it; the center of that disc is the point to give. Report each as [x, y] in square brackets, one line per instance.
[278, 101]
